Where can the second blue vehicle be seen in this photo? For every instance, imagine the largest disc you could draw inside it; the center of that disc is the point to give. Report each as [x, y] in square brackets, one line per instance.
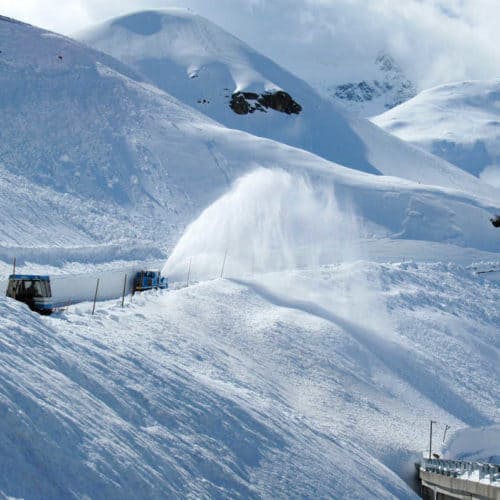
[149, 280]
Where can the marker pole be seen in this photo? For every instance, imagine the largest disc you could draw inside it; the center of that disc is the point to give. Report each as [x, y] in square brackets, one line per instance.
[95, 295]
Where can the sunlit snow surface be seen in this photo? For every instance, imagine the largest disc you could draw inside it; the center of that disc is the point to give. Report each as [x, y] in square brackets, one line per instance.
[459, 122]
[201, 65]
[312, 370]
[95, 157]
[310, 383]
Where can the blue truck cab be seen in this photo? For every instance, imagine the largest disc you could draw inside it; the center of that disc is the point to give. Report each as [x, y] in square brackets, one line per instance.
[32, 289]
[149, 280]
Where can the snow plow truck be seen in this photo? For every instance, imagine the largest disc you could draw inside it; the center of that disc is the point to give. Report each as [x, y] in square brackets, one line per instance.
[149, 280]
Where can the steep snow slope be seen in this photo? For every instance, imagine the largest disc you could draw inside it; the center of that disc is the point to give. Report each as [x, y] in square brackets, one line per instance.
[309, 383]
[273, 385]
[459, 122]
[205, 67]
[92, 155]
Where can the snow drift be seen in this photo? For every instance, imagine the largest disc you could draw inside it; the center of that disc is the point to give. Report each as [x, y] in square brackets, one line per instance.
[475, 443]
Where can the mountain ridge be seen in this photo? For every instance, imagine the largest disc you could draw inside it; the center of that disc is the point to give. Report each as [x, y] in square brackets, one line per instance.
[203, 66]
[460, 122]
[372, 96]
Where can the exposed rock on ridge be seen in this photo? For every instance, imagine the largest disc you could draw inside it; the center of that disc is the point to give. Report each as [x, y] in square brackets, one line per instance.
[243, 103]
[390, 89]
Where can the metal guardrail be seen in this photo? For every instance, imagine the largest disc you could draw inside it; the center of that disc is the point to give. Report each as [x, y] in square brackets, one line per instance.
[471, 471]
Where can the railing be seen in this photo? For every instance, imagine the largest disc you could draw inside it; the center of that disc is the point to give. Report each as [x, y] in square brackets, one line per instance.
[471, 471]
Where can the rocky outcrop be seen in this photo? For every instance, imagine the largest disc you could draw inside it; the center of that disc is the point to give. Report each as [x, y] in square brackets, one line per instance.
[243, 103]
[495, 220]
[390, 89]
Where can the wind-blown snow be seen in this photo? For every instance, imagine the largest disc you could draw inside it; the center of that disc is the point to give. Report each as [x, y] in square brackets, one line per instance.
[270, 220]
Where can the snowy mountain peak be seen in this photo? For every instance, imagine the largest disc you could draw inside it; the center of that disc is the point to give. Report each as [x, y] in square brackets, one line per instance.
[180, 36]
[386, 63]
[146, 23]
[212, 71]
[388, 87]
[196, 49]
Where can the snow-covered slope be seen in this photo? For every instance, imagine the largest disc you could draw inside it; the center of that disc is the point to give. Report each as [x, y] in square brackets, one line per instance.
[91, 154]
[386, 88]
[207, 68]
[316, 383]
[311, 382]
[459, 122]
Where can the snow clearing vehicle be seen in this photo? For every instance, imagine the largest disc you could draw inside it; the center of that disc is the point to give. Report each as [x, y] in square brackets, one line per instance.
[32, 289]
[149, 280]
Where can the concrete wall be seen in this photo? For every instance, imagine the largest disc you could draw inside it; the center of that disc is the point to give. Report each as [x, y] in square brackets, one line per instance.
[454, 487]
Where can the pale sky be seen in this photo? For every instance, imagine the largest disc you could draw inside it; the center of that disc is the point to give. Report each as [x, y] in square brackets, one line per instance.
[436, 41]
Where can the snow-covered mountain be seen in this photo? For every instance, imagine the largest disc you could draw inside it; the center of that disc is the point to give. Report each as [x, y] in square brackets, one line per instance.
[459, 122]
[283, 383]
[387, 88]
[207, 68]
[87, 134]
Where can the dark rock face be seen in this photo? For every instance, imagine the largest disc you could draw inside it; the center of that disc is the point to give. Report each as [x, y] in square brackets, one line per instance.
[239, 104]
[495, 221]
[243, 103]
[367, 91]
[280, 101]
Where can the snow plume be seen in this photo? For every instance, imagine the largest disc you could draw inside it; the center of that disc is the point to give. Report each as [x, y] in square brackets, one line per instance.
[272, 220]
[269, 220]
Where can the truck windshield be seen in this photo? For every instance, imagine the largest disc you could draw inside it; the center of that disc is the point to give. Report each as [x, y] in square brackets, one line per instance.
[28, 288]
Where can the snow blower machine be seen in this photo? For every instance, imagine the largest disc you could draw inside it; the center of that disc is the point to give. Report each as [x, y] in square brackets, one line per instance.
[149, 280]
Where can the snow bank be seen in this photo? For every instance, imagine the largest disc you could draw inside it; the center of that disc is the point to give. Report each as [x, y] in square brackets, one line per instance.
[81, 288]
[90, 414]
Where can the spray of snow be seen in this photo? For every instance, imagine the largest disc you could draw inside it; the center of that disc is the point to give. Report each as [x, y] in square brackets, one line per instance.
[475, 443]
[270, 220]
